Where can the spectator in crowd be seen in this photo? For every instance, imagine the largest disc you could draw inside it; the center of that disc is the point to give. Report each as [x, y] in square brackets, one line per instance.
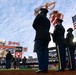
[12, 62]
[18, 60]
[3, 62]
[24, 61]
[8, 60]
[0, 63]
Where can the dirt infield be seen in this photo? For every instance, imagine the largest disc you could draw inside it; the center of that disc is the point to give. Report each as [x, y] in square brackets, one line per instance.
[32, 72]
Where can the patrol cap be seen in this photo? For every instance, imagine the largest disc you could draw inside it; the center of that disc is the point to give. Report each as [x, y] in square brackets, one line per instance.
[59, 20]
[44, 10]
[70, 29]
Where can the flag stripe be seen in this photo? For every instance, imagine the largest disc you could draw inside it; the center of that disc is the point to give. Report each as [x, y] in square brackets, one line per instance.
[53, 18]
[74, 21]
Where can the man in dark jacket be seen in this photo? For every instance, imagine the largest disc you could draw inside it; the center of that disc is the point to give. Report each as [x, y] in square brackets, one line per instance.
[41, 25]
[8, 60]
[70, 48]
[58, 38]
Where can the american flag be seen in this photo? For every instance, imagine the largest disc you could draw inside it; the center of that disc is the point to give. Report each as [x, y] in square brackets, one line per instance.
[54, 15]
[25, 49]
[74, 21]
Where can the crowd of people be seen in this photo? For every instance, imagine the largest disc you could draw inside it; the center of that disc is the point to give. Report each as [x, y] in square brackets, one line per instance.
[12, 62]
[42, 25]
